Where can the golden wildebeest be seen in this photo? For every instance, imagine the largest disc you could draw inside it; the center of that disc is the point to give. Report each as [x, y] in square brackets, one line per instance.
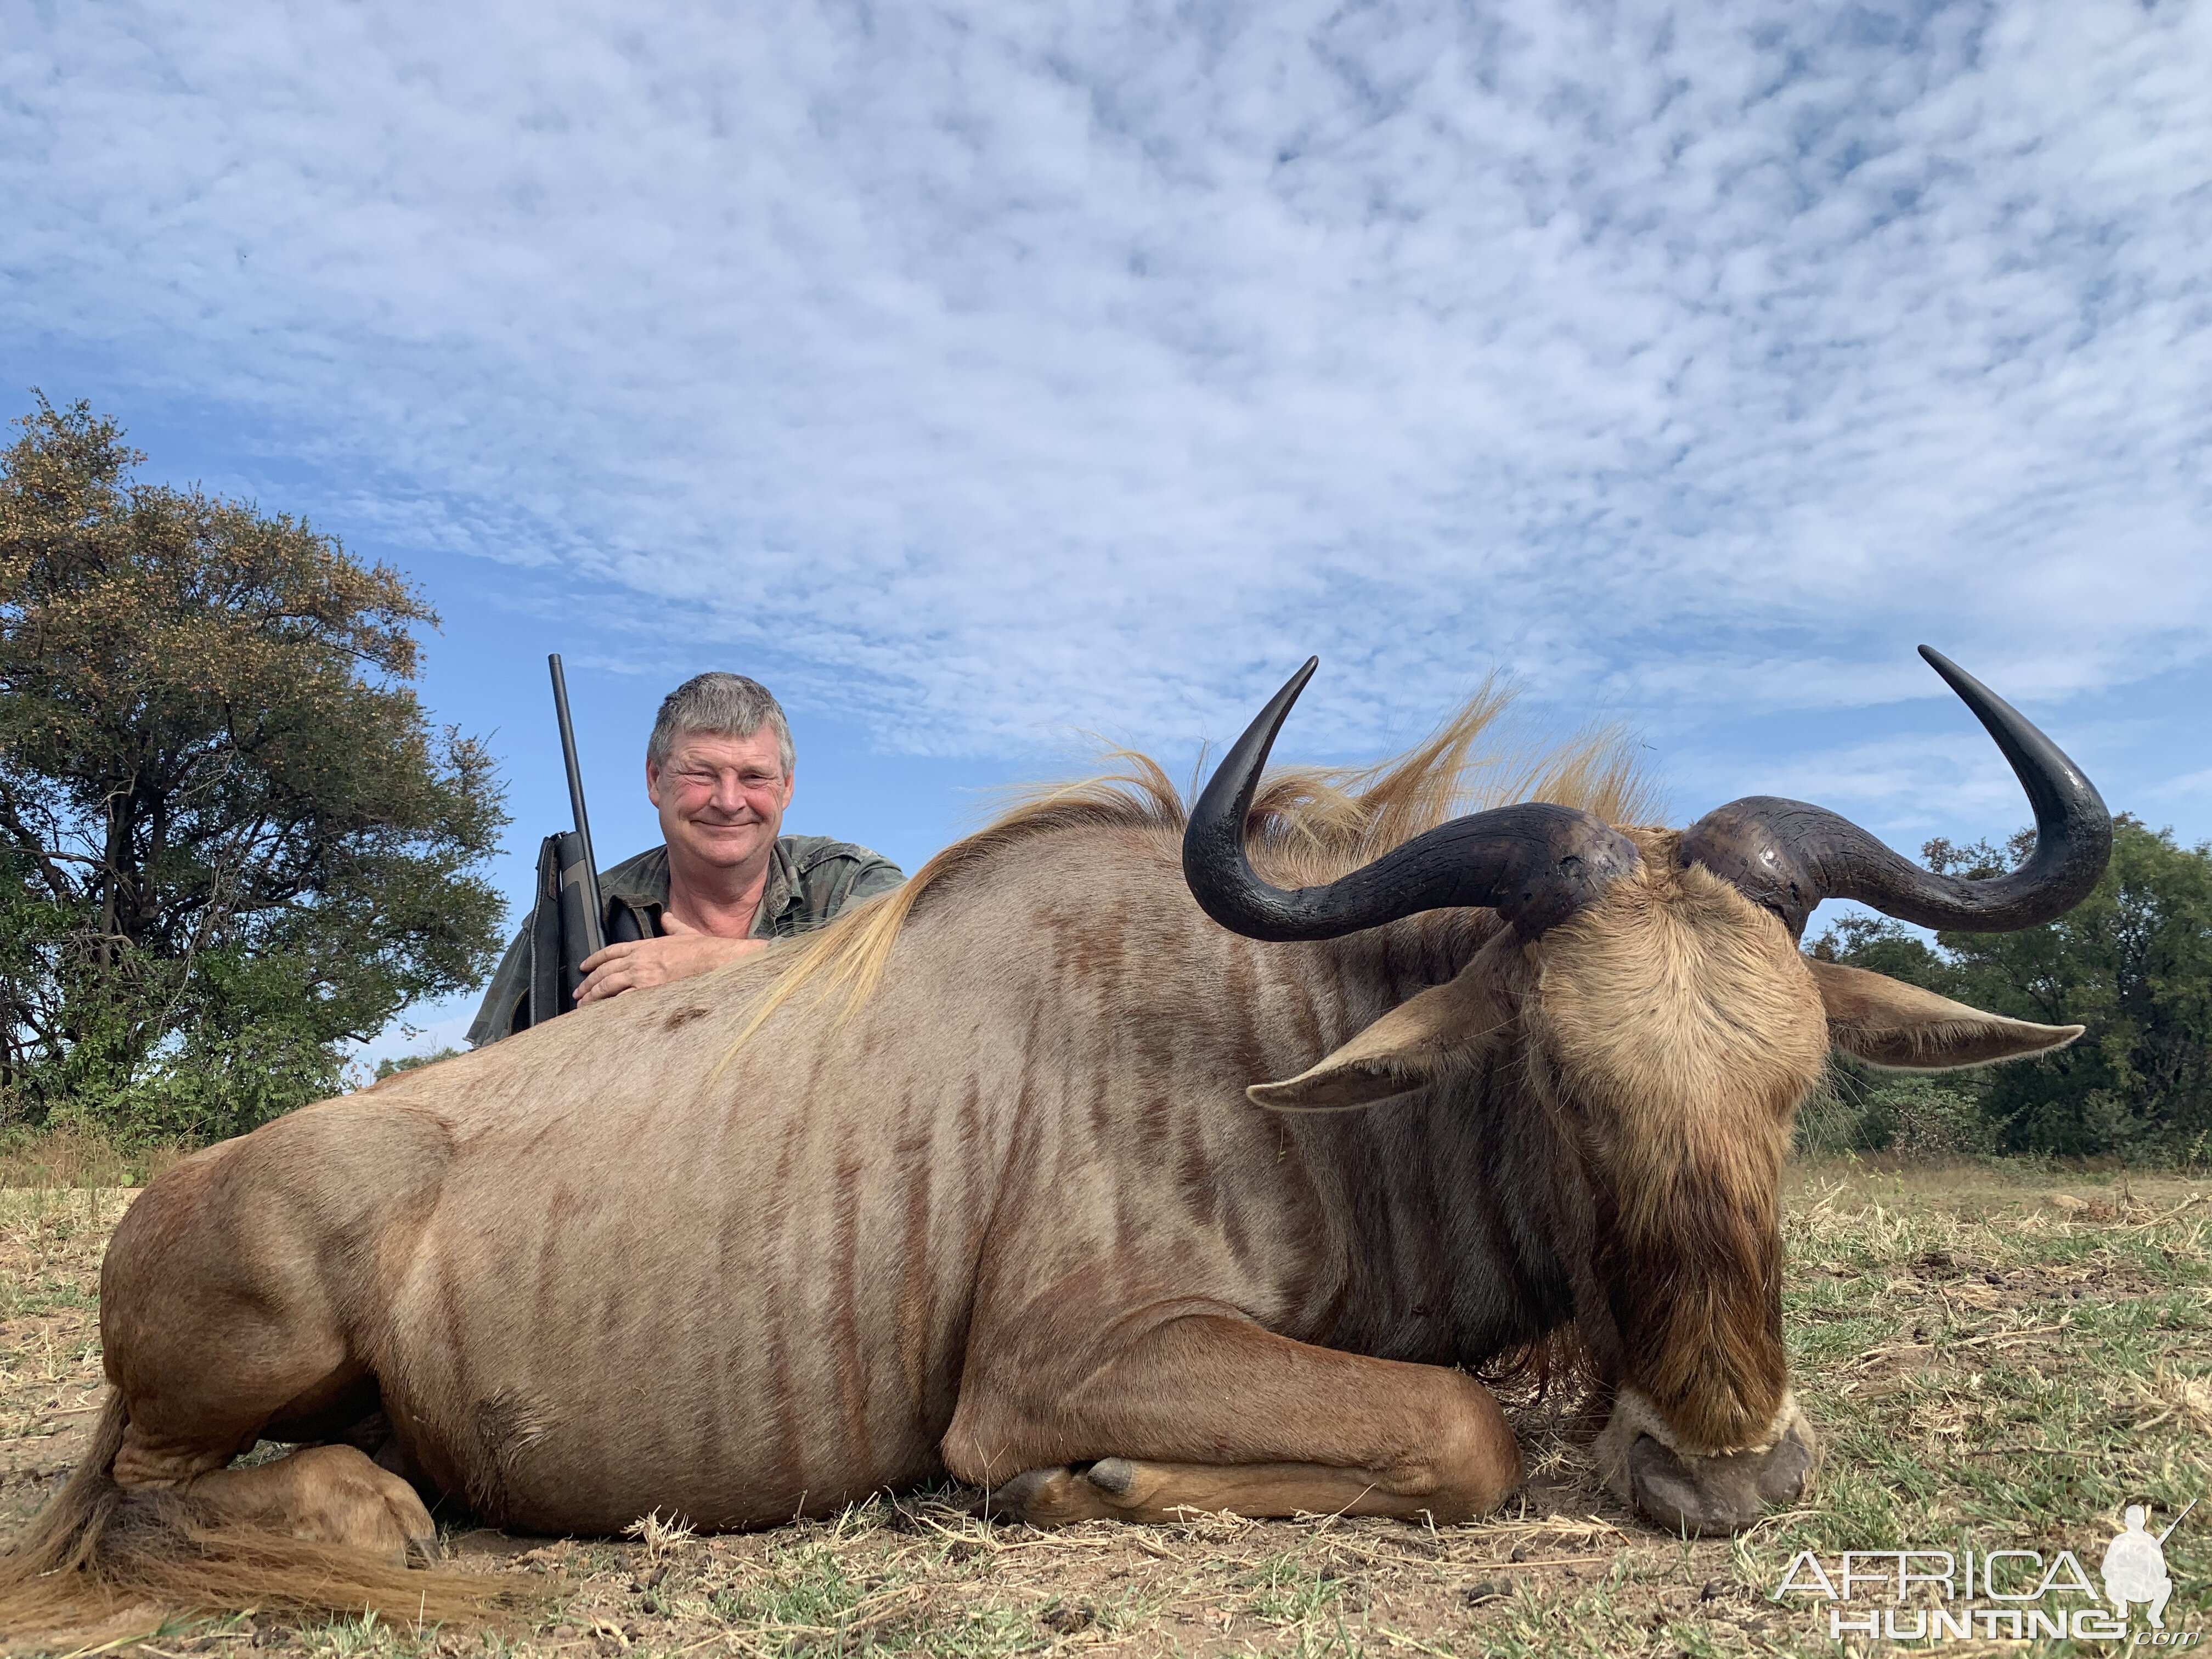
[1006, 1208]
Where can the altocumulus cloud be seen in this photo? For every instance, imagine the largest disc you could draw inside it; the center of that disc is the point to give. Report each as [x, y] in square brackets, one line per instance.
[1006, 367]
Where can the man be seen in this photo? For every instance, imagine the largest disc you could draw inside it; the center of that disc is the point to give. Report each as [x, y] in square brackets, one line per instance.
[2134, 1567]
[718, 770]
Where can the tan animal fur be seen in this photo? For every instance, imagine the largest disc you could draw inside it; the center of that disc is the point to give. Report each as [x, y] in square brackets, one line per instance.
[736, 1250]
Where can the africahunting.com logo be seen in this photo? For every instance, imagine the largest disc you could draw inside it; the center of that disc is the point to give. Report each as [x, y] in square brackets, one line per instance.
[1942, 1595]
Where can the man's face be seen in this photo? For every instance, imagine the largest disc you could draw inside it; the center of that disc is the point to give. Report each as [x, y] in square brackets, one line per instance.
[720, 799]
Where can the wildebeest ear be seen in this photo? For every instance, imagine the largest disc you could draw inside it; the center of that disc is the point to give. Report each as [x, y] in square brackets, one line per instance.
[1887, 1023]
[1445, 1025]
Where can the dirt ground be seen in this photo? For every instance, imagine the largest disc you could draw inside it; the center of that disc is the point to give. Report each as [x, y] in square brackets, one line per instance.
[1999, 1359]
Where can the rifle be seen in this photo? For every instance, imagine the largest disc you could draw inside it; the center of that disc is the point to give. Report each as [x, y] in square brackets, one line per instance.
[569, 923]
[2178, 1520]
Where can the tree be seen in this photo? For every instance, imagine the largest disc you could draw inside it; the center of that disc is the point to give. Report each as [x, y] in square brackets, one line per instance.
[1864, 1109]
[231, 841]
[389, 1067]
[2132, 962]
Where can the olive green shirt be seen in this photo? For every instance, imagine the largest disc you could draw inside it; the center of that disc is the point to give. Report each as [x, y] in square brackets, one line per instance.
[810, 879]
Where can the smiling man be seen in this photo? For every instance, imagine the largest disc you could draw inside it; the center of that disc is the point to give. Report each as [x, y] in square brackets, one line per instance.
[719, 768]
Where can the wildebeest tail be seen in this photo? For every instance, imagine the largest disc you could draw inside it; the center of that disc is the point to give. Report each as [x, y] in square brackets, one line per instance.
[43, 1568]
[98, 1551]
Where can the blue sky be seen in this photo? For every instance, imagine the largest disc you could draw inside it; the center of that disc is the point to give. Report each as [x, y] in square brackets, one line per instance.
[975, 376]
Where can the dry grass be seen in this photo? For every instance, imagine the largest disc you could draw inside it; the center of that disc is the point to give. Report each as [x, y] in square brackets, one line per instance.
[1987, 1364]
[67, 1156]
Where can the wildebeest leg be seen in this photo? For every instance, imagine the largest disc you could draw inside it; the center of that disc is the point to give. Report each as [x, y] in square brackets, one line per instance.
[253, 1349]
[186, 1426]
[320, 1495]
[1211, 1412]
[317, 1494]
[1117, 1488]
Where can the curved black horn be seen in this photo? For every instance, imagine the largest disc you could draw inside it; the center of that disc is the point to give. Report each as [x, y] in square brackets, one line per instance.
[1788, 856]
[1534, 863]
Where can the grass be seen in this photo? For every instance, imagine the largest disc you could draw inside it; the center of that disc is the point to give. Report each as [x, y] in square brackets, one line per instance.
[1997, 1356]
[69, 1157]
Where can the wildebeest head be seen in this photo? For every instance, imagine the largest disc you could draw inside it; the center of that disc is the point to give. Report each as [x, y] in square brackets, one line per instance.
[1648, 1010]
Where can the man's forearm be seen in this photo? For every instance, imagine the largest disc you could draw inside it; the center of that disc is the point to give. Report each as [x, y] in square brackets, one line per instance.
[634, 964]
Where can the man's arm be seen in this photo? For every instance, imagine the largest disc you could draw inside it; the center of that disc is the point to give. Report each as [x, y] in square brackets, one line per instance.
[680, 952]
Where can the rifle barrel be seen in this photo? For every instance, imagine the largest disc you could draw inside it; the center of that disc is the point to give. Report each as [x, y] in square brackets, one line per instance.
[594, 923]
[2178, 1520]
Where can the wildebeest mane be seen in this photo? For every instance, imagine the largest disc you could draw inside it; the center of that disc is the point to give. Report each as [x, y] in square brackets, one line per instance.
[1309, 823]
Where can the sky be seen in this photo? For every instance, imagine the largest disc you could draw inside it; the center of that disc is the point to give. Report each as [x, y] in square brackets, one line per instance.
[982, 377]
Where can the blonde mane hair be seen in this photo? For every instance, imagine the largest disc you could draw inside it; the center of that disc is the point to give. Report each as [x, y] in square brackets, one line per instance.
[1309, 824]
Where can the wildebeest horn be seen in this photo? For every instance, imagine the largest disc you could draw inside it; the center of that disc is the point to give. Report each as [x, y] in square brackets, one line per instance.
[1534, 863]
[1788, 856]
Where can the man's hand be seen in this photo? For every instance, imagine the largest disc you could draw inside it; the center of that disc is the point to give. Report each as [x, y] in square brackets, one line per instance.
[634, 963]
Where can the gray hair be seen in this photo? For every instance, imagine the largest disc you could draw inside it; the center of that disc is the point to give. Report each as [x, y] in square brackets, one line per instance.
[726, 705]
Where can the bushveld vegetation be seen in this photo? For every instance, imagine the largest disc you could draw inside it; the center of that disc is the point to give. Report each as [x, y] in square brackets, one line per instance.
[2133, 963]
[1999, 1358]
[231, 843]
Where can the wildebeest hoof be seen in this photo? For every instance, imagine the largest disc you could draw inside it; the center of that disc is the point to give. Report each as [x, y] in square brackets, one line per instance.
[1787, 1474]
[1702, 1497]
[1116, 1475]
[1059, 1495]
[1009, 1500]
[1714, 1497]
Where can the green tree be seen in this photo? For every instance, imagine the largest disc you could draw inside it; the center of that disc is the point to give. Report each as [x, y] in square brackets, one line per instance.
[1880, 946]
[232, 842]
[1864, 1108]
[2132, 962]
[389, 1067]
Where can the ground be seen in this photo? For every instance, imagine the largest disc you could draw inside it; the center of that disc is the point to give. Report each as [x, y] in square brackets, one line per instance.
[1999, 1358]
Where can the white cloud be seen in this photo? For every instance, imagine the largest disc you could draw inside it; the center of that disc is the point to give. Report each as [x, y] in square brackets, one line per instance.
[2196, 785]
[1909, 786]
[1012, 370]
